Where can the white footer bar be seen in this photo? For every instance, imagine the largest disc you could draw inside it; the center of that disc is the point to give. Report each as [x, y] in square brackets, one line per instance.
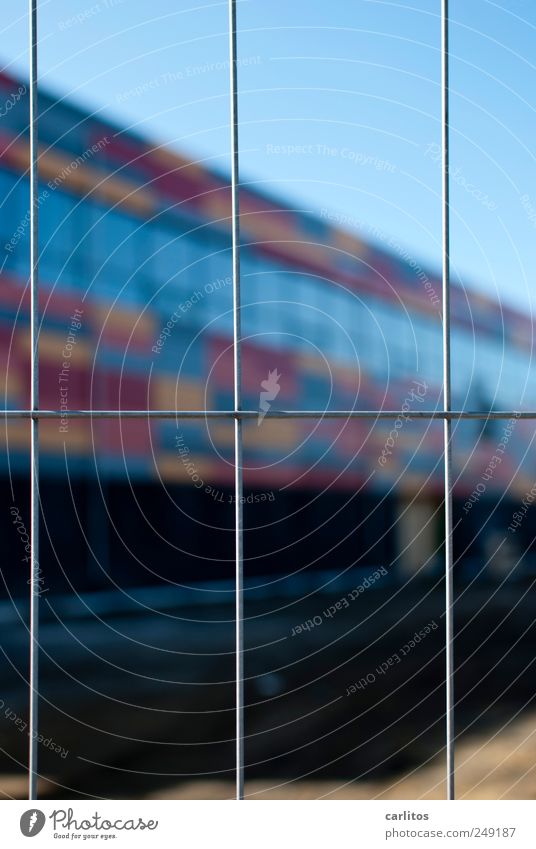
[265, 824]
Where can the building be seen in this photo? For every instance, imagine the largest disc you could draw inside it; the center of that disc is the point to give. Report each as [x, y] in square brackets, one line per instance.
[136, 305]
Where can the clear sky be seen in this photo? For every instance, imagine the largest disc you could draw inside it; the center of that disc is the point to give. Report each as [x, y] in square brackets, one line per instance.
[339, 108]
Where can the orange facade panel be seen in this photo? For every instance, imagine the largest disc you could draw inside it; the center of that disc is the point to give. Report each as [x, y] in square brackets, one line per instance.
[128, 323]
[201, 473]
[172, 394]
[72, 436]
[56, 347]
[273, 433]
[75, 174]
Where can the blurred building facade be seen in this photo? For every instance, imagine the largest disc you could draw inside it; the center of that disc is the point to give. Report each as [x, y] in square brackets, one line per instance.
[136, 313]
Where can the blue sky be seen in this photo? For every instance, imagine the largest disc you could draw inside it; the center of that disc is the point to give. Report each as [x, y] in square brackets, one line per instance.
[339, 108]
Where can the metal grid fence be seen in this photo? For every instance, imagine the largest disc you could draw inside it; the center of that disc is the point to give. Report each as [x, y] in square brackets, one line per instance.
[239, 415]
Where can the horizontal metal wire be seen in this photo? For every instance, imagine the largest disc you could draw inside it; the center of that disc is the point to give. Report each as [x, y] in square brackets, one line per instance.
[271, 414]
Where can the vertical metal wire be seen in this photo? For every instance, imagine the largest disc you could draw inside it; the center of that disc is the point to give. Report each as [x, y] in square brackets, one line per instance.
[34, 403]
[34, 588]
[447, 424]
[237, 335]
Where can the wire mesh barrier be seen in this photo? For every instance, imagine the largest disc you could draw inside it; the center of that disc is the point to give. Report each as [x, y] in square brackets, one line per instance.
[241, 417]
